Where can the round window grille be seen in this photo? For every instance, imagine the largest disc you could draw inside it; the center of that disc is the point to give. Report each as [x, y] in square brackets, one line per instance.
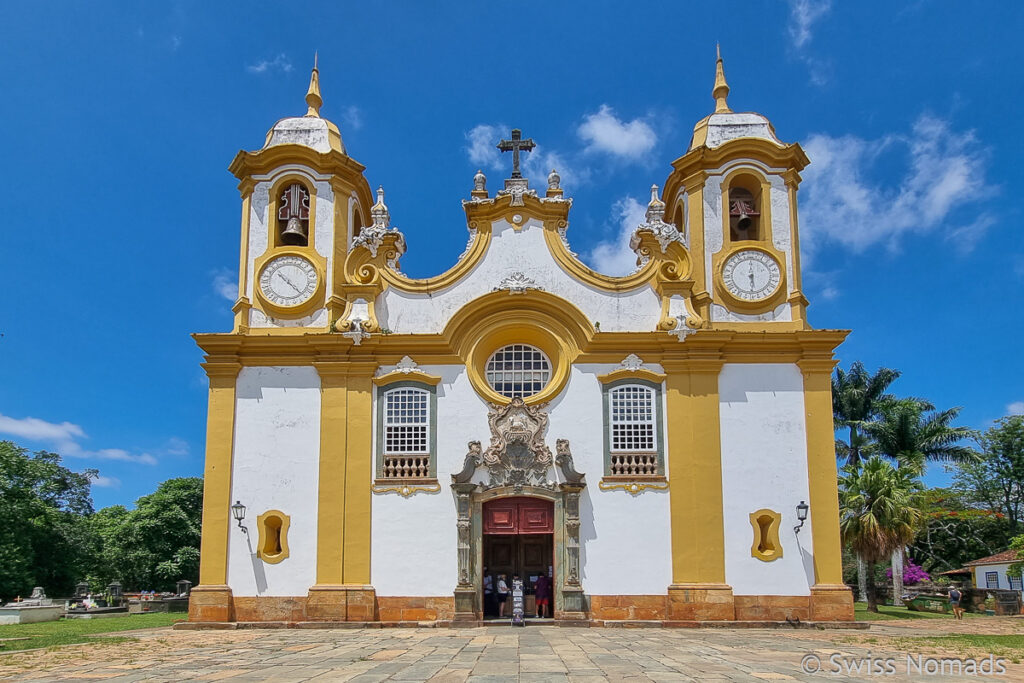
[518, 371]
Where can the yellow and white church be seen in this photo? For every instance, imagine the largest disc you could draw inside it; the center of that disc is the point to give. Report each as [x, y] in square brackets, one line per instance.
[660, 444]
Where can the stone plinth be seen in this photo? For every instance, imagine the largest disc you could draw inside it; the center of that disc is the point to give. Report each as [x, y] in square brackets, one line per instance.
[701, 602]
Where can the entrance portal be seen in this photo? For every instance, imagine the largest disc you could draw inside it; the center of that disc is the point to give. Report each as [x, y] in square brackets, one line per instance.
[518, 540]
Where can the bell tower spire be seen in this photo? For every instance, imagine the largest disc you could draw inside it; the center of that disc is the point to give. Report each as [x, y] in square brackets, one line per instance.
[721, 89]
[313, 98]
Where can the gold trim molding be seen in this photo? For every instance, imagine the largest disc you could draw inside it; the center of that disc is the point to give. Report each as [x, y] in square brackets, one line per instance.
[407, 490]
[635, 487]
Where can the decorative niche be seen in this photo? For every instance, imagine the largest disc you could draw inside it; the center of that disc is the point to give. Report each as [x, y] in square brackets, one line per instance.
[272, 544]
[766, 546]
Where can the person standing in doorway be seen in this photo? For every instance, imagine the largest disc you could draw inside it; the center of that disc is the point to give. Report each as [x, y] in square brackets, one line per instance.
[542, 594]
[488, 593]
[502, 594]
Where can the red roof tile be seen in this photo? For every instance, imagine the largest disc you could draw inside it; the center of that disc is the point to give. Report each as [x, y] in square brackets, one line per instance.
[1005, 556]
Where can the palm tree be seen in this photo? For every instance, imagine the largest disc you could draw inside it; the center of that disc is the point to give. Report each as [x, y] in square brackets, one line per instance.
[911, 433]
[856, 396]
[878, 512]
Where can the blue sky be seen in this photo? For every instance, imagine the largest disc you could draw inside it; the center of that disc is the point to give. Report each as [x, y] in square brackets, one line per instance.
[121, 229]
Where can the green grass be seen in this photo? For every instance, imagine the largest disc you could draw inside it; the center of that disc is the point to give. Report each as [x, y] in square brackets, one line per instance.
[968, 645]
[70, 631]
[888, 613]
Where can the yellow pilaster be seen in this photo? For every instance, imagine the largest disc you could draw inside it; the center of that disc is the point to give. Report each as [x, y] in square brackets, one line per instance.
[212, 600]
[698, 590]
[694, 186]
[830, 598]
[333, 449]
[358, 473]
[242, 303]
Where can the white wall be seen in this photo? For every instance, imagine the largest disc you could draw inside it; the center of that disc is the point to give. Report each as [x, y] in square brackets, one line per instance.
[1000, 569]
[764, 465]
[414, 539]
[275, 467]
[524, 251]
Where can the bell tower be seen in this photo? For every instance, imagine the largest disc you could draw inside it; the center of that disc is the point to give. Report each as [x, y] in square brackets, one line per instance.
[734, 190]
[304, 201]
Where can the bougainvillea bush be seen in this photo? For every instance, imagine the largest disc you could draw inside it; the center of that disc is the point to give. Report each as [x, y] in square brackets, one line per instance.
[912, 573]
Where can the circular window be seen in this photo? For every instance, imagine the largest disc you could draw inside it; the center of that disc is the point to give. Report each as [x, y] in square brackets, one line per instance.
[518, 371]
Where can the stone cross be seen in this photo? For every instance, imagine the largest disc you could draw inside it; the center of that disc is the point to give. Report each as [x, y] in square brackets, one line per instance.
[514, 145]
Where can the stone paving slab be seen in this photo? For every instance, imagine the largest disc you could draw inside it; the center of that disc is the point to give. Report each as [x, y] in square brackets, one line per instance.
[479, 655]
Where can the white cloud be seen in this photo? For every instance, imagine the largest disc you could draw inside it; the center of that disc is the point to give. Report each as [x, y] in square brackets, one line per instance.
[844, 202]
[63, 437]
[103, 482]
[225, 284]
[539, 163]
[175, 41]
[482, 146]
[829, 294]
[802, 16]
[176, 446]
[1015, 408]
[604, 132]
[614, 257]
[352, 117]
[279, 63]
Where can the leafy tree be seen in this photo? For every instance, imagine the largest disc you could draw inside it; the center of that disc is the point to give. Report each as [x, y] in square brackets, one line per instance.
[44, 540]
[954, 532]
[912, 433]
[996, 480]
[856, 397]
[878, 512]
[157, 543]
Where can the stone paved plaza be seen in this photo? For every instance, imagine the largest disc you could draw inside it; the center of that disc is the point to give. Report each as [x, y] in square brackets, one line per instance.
[535, 653]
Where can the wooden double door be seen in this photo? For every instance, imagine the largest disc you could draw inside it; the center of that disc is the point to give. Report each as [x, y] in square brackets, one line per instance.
[519, 540]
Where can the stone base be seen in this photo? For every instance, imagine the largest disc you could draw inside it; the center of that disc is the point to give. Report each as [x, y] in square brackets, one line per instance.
[628, 607]
[211, 604]
[831, 603]
[413, 609]
[773, 607]
[465, 607]
[701, 602]
[342, 602]
[573, 606]
[270, 609]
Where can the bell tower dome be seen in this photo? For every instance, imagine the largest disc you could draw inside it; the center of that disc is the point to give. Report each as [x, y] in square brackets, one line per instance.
[734, 190]
[304, 200]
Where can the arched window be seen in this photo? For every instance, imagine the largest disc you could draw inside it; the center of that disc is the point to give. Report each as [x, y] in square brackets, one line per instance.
[518, 371]
[293, 215]
[744, 213]
[406, 433]
[632, 430]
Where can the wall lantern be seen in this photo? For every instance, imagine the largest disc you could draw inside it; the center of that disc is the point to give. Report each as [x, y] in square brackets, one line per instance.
[801, 515]
[238, 512]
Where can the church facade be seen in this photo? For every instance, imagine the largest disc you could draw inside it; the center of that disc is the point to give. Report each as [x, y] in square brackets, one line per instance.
[383, 449]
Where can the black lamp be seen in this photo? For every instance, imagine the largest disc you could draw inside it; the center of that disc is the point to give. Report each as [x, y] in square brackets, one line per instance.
[238, 512]
[801, 515]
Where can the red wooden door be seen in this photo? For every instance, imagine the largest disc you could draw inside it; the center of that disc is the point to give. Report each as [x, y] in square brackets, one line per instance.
[519, 516]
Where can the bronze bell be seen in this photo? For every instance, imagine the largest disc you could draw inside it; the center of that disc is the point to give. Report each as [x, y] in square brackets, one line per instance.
[744, 222]
[295, 233]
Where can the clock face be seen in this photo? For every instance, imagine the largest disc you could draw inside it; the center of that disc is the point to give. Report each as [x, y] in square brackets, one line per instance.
[751, 275]
[288, 281]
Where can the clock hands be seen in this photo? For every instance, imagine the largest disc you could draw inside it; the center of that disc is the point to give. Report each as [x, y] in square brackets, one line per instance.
[750, 272]
[289, 282]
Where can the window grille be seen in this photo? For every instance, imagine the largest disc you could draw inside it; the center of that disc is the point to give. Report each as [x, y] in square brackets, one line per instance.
[1016, 583]
[406, 420]
[518, 371]
[991, 579]
[633, 438]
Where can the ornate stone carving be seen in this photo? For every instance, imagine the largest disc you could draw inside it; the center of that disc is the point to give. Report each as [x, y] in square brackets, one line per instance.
[517, 188]
[631, 362]
[407, 365]
[464, 525]
[563, 458]
[665, 233]
[682, 330]
[517, 456]
[517, 283]
[372, 236]
[572, 533]
[474, 458]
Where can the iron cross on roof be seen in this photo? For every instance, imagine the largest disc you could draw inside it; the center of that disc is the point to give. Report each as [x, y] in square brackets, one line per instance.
[514, 145]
